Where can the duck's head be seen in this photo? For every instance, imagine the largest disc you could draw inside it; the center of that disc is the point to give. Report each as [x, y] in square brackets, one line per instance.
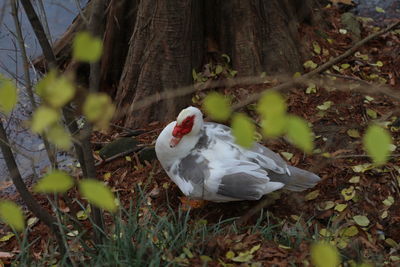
[188, 123]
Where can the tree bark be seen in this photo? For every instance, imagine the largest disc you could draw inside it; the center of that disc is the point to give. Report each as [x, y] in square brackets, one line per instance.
[166, 44]
[152, 46]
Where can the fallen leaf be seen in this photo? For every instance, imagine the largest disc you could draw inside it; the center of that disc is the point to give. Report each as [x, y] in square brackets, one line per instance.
[340, 207]
[388, 201]
[361, 220]
[354, 180]
[353, 133]
[312, 195]
[348, 193]
[325, 106]
[379, 10]
[7, 237]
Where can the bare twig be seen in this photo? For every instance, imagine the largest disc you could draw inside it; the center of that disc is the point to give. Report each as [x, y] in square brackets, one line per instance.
[254, 97]
[132, 150]
[27, 197]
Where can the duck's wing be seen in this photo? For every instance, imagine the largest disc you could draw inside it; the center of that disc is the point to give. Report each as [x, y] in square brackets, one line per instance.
[277, 169]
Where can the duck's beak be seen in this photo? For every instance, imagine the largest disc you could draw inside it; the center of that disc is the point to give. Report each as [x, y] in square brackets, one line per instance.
[174, 141]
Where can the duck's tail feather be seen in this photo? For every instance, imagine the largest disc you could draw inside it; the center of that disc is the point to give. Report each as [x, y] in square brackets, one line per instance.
[298, 180]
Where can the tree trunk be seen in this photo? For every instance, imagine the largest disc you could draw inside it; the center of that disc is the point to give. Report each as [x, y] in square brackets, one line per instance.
[152, 46]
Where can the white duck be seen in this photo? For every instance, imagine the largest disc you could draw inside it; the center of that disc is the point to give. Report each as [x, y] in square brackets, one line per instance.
[203, 159]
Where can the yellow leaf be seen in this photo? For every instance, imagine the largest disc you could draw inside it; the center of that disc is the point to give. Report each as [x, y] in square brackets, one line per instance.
[328, 205]
[11, 214]
[59, 137]
[99, 109]
[81, 215]
[128, 158]
[354, 179]
[287, 155]
[312, 195]
[43, 118]
[107, 176]
[379, 10]
[324, 255]
[353, 133]
[97, 194]
[243, 130]
[274, 126]
[7, 237]
[217, 106]
[8, 95]
[271, 104]
[230, 255]
[372, 113]
[54, 182]
[300, 134]
[316, 48]
[348, 193]
[350, 231]
[310, 65]
[56, 91]
[87, 48]
[377, 143]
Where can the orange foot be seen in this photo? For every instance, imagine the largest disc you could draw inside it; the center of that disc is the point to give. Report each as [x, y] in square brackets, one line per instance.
[188, 203]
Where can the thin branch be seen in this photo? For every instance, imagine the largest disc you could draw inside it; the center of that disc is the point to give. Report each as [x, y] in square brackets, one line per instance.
[26, 196]
[254, 97]
[27, 77]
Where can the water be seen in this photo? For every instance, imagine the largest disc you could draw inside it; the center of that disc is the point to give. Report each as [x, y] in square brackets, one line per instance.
[31, 156]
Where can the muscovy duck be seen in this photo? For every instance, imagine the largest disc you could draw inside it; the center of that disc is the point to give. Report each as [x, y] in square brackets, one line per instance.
[203, 159]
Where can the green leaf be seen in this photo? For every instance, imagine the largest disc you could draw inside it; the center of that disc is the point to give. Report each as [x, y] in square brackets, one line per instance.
[243, 130]
[99, 109]
[8, 95]
[300, 134]
[59, 137]
[271, 104]
[218, 69]
[98, 194]
[361, 220]
[56, 91]
[324, 255]
[54, 182]
[43, 118]
[274, 126]
[87, 48]
[217, 106]
[379, 10]
[353, 133]
[12, 215]
[377, 143]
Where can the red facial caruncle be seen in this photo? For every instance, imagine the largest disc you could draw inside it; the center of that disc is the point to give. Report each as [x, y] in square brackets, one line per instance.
[181, 130]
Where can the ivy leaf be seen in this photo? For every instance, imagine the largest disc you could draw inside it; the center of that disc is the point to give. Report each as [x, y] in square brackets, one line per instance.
[98, 194]
[59, 137]
[99, 109]
[271, 104]
[87, 48]
[8, 95]
[377, 143]
[43, 118]
[12, 214]
[324, 255]
[56, 91]
[299, 133]
[54, 182]
[217, 106]
[243, 130]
